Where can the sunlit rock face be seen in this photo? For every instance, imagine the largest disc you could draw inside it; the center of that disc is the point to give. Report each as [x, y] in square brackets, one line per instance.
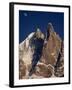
[51, 47]
[41, 56]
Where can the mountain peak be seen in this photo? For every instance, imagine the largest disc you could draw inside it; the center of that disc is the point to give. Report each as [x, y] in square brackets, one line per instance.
[38, 30]
[39, 34]
[50, 27]
[50, 30]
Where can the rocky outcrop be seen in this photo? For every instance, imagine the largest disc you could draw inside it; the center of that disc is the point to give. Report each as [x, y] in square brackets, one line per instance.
[51, 60]
[51, 47]
[59, 68]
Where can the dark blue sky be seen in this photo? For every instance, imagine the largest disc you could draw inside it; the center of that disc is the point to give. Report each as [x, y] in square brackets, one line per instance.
[29, 20]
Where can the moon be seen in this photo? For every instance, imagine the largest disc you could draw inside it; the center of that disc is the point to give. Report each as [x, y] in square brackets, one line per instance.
[25, 14]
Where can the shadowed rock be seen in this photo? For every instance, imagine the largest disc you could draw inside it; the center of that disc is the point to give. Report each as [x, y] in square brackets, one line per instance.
[38, 46]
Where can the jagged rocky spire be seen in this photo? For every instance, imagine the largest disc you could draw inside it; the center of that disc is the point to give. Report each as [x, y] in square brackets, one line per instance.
[49, 30]
[50, 27]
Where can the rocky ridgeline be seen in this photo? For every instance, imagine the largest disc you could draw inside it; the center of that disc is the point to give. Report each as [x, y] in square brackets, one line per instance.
[51, 60]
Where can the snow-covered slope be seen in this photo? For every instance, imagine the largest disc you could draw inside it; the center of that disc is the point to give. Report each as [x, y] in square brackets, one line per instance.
[25, 49]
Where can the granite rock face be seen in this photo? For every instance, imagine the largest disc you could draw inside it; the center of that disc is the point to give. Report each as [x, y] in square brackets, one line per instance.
[41, 56]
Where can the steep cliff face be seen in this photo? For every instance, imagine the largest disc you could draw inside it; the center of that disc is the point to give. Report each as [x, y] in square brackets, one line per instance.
[51, 47]
[44, 53]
